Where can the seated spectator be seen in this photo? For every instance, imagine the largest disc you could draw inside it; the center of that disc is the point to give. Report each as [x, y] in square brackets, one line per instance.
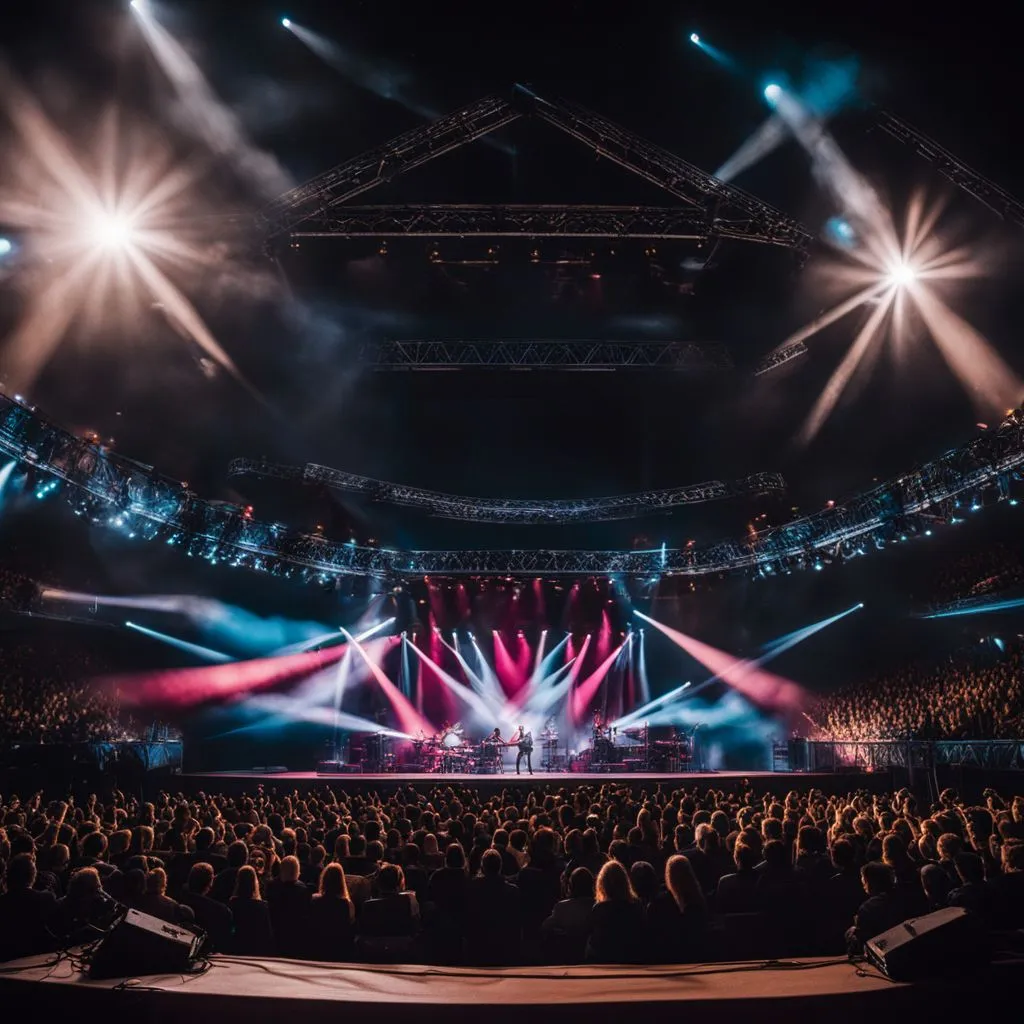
[416, 879]
[210, 915]
[492, 915]
[24, 911]
[936, 885]
[540, 882]
[677, 922]
[616, 932]
[570, 918]
[645, 882]
[288, 901]
[224, 883]
[85, 909]
[1008, 888]
[882, 910]
[737, 893]
[254, 935]
[331, 926]
[158, 904]
[394, 911]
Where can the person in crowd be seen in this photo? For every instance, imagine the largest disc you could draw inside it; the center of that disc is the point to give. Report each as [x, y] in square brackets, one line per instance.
[882, 910]
[288, 901]
[616, 931]
[24, 911]
[211, 915]
[568, 925]
[493, 926]
[678, 919]
[158, 904]
[737, 893]
[254, 934]
[797, 864]
[331, 921]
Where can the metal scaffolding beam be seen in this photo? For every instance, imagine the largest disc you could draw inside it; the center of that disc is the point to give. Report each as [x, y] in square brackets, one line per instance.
[116, 492]
[385, 163]
[757, 221]
[523, 354]
[668, 171]
[780, 357]
[514, 510]
[994, 196]
[461, 220]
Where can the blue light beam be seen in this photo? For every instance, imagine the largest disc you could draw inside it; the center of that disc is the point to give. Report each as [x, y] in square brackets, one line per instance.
[206, 653]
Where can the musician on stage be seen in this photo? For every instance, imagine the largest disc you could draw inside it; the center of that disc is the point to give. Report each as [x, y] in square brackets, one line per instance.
[491, 749]
[523, 739]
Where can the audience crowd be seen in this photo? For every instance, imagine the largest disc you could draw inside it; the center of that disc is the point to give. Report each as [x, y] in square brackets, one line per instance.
[45, 696]
[988, 570]
[974, 695]
[557, 874]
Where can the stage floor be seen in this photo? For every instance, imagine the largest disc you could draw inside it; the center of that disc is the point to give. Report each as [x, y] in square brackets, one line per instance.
[402, 777]
[270, 989]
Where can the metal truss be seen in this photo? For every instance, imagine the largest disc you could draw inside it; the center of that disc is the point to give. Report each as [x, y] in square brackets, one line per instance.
[319, 198]
[385, 163]
[780, 357]
[523, 354]
[514, 510]
[434, 220]
[988, 192]
[670, 172]
[120, 493]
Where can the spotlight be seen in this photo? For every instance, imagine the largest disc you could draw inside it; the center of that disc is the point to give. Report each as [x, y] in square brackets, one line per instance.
[113, 231]
[6, 247]
[902, 274]
[694, 38]
[286, 23]
[772, 92]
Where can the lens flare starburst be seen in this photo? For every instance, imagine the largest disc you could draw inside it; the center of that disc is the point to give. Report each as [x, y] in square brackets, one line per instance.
[896, 276]
[103, 237]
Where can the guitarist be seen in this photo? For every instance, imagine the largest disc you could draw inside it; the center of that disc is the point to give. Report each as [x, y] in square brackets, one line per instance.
[523, 739]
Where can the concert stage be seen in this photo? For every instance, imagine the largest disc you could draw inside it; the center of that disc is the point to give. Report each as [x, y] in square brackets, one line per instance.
[272, 989]
[829, 782]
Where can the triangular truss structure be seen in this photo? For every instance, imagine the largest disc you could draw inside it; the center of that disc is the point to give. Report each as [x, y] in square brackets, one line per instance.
[712, 208]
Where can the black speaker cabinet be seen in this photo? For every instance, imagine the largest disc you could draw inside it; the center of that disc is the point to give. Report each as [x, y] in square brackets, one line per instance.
[945, 942]
[141, 944]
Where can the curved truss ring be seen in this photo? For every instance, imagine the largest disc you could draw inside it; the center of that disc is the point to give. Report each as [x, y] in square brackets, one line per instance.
[514, 510]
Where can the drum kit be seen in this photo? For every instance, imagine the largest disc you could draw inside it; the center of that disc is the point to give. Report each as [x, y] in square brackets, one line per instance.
[632, 749]
[448, 752]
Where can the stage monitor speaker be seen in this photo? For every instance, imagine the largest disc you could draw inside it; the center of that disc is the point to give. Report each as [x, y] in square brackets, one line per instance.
[141, 944]
[945, 942]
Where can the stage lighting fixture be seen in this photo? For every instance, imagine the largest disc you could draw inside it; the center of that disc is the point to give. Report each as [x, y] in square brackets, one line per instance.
[694, 38]
[6, 247]
[902, 274]
[286, 23]
[772, 92]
